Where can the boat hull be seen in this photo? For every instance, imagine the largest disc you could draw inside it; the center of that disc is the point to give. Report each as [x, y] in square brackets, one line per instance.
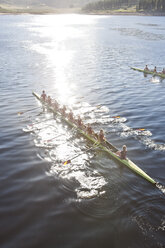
[107, 146]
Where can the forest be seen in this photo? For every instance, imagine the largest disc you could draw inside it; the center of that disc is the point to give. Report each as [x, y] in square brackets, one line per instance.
[141, 5]
[152, 5]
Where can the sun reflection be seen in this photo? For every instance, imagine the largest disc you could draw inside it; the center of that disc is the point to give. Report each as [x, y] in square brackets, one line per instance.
[63, 87]
[59, 37]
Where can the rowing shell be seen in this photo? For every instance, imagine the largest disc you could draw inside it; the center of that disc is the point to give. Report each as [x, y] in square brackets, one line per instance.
[107, 146]
[149, 72]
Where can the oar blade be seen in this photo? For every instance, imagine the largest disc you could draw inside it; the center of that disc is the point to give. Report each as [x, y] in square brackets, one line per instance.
[67, 162]
[139, 129]
[117, 116]
[20, 113]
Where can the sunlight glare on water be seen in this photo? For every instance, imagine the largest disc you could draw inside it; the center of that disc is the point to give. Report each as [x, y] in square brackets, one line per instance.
[59, 53]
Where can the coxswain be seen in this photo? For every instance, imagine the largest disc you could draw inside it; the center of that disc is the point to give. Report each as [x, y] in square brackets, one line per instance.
[123, 153]
[63, 110]
[155, 69]
[89, 130]
[70, 116]
[101, 136]
[49, 100]
[146, 68]
[43, 96]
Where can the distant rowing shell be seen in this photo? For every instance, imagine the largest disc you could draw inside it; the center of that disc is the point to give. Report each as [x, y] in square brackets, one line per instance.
[149, 72]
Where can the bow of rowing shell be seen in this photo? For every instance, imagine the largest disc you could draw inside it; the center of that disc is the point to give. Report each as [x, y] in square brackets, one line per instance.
[108, 147]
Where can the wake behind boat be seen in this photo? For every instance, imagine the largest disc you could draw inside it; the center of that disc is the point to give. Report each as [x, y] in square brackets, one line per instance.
[105, 146]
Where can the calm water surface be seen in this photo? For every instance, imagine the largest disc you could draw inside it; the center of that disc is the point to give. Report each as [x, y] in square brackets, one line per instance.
[83, 62]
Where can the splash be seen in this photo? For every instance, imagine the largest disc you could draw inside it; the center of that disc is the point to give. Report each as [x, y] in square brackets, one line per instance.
[162, 226]
[155, 80]
[152, 145]
[161, 187]
[142, 136]
[88, 184]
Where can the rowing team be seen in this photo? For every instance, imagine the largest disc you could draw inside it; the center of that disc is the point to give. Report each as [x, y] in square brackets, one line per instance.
[154, 70]
[79, 122]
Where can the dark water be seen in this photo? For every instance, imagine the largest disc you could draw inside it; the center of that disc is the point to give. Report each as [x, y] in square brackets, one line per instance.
[82, 61]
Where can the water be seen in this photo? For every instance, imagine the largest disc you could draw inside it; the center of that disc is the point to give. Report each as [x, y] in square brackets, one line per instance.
[83, 62]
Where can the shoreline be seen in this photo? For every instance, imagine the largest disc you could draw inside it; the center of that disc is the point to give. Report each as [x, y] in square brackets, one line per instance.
[126, 13]
[48, 11]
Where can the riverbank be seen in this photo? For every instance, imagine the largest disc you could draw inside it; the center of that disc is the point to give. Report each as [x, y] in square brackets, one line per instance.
[140, 13]
[16, 10]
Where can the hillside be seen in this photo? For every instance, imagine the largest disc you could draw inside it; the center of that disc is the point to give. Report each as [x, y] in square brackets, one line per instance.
[48, 3]
[42, 6]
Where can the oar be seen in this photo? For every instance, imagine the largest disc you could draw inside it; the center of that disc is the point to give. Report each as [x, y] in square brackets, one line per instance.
[22, 112]
[69, 160]
[38, 122]
[37, 129]
[54, 137]
[44, 127]
[97, 106]
[114, 117]
[132, 129]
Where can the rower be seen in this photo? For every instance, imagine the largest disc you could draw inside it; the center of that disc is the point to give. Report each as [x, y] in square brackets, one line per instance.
[123, 153]
[70, 116]
[55, 105]
[155, 69]
[146, 68]
[63, 110]
[80, 122]
[43, 96]
[101, 136]
[49, 100]
[89, 130]
[163, 71]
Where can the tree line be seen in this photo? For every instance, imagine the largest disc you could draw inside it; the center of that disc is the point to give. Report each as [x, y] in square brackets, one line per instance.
[109, 5]
[141, 5]
[152, 5]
